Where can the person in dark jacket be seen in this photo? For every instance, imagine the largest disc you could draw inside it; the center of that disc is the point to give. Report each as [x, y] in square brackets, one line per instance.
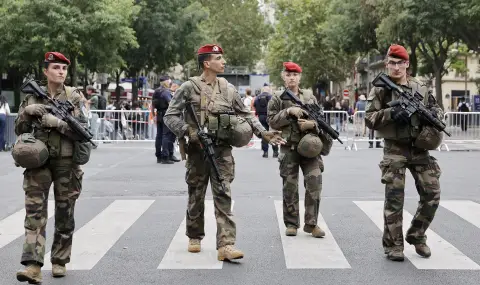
[261, 105]
[165, 138]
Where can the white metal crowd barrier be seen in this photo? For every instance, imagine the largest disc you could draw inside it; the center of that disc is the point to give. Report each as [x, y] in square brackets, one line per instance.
[115, 126]
[464, 127]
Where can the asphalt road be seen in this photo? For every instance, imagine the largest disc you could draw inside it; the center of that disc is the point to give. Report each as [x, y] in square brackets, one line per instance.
[130, 224]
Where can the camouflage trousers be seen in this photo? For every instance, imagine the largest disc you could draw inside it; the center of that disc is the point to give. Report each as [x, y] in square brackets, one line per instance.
[312, 168]
[199, 173]
[426, 173]
[67, 185]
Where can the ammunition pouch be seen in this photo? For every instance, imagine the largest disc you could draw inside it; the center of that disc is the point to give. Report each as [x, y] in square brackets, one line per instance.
[221, 125]
[81, 152]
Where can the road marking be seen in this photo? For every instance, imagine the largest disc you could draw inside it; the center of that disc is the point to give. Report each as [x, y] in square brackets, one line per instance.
[444, 254]
[467, 210]
[177, 255]
[92, 241]
[12, 227]
[305, 251]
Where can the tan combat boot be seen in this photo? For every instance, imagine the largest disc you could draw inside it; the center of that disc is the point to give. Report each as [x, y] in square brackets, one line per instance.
[315, 231]
[229, 252]
[423, 250]
[58, 270]
[291, 231]
[31, 273]
[194, 245]
[395, 254]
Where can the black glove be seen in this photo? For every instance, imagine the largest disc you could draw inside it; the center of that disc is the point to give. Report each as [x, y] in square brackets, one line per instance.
[399, 115]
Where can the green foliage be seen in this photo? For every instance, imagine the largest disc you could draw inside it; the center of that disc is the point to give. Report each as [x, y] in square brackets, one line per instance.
[95, 30]
[239, 28]
[304, 41]
[351, 25]
[166, 32]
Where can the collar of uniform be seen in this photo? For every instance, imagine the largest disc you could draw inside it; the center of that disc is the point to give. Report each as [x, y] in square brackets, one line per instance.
[57, 92]
[203, 79]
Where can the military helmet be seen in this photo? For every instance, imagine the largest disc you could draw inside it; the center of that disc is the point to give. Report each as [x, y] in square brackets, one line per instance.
[310, 146]
[241, 133]
[429, 138]
[29, 152]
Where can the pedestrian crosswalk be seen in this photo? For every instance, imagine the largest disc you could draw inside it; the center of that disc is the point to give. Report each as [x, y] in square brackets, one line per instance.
[94, 239]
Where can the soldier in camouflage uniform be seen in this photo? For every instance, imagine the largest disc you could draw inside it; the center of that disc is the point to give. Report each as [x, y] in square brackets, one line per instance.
[407, 142]
[306, 143]
[219, 105]
[59, 170]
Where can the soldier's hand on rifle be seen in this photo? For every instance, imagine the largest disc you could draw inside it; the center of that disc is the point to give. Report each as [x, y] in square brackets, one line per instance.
[192, 135]
[273, 137]
[36, 110]
[398, 114]
[50, 121]
[297, 112]
[306, 125]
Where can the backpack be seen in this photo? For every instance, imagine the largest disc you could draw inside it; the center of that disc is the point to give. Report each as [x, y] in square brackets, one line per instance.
[262, 101]
[463, 107]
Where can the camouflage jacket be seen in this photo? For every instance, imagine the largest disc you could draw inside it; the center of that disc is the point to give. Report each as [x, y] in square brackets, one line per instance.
[279, 119]
[378, 114]
[59, 140]
[219, 102]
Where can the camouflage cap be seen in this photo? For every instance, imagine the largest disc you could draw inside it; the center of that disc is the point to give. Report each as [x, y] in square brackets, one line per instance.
[242, 133]
[310, 146]
[29, 152]
[429, 138]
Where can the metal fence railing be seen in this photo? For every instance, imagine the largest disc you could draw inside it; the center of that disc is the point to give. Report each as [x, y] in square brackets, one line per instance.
[116, 126]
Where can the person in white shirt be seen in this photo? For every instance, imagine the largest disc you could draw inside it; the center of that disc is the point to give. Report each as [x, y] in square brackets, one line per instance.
[4, 112]
[247, 101]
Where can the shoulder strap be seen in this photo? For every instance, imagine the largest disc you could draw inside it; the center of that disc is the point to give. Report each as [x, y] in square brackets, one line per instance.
[197, 84]
[223, 85]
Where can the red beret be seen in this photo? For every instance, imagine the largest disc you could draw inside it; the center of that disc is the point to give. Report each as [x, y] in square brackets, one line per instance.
[210, 49]
[292, 67]
[398, 51]
[53, 56]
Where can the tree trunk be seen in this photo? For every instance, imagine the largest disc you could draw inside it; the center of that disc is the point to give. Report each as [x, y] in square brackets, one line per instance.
[73, 71]
[413, 60]
[117, 89]
[438, 86]
[85, 79]
[133, 75]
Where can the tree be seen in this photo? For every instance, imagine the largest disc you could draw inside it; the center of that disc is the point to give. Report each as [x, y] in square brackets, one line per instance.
[431, 24]
[351, 25]
[99, 28]
[166, 32]
[304, 41]
[239, 28]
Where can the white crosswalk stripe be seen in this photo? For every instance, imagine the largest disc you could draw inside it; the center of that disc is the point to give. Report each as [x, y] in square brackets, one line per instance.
[445, 255]
[94, 240]
[177, 256]
[12, 228]
[467, 210]
[305, 251]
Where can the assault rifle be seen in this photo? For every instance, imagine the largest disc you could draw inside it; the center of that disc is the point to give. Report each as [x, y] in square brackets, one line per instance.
[206, 143]
[411, 103]
[314, 112]
[61, 110]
